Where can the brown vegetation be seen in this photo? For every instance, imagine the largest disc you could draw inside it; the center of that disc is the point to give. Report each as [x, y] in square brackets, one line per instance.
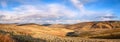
[95, 25]
[6, 38]
[82, 32]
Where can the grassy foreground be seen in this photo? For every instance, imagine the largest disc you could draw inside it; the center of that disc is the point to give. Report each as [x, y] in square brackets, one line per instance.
[35, 33]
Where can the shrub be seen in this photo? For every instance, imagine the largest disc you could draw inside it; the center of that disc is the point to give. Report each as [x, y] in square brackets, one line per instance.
[6, 38]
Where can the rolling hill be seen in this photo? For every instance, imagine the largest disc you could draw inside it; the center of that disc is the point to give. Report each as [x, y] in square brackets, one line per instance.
[95, 25]
[98, 31]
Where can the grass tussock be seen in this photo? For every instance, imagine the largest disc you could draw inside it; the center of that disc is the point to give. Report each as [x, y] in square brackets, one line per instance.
[6, 38]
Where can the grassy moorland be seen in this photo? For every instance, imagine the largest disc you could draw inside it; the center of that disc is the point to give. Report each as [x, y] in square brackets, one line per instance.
[40, 33]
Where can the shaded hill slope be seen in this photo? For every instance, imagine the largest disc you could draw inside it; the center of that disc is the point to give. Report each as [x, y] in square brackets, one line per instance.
[95, 25]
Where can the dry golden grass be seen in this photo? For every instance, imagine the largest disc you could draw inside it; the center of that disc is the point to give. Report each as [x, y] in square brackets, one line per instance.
[6, 38]
[35, 33]
[95, 25]
[98, 33]
[32, 29]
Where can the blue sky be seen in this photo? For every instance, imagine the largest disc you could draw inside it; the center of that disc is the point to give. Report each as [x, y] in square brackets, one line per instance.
[58, 11]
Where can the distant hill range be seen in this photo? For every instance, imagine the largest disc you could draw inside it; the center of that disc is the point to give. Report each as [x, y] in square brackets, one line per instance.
[82, 25]
[96, 25]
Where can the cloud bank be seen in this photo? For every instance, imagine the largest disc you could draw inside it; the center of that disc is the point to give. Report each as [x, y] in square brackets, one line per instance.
[38, 14]
[48, 13]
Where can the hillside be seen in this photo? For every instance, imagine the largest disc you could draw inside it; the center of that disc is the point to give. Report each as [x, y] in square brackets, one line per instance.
[99, 29]
[104, 31]
[95, 25]
[58, 25]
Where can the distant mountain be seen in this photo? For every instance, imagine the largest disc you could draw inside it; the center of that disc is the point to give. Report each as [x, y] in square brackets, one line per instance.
[58, 25]
[28, 24]
[46, 24]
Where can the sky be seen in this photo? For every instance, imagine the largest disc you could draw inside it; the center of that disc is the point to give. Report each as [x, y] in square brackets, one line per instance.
[58, 11]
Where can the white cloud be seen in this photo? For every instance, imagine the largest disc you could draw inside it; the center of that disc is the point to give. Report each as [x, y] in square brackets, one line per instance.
[107, 17]
[78, 4]
[83, 12]
[36, 13]
[49, 13]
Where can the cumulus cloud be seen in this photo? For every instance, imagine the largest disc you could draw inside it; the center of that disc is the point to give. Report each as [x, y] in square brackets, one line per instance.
[43, 13]
[79, 4]
[49, 13]
[107, 17]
